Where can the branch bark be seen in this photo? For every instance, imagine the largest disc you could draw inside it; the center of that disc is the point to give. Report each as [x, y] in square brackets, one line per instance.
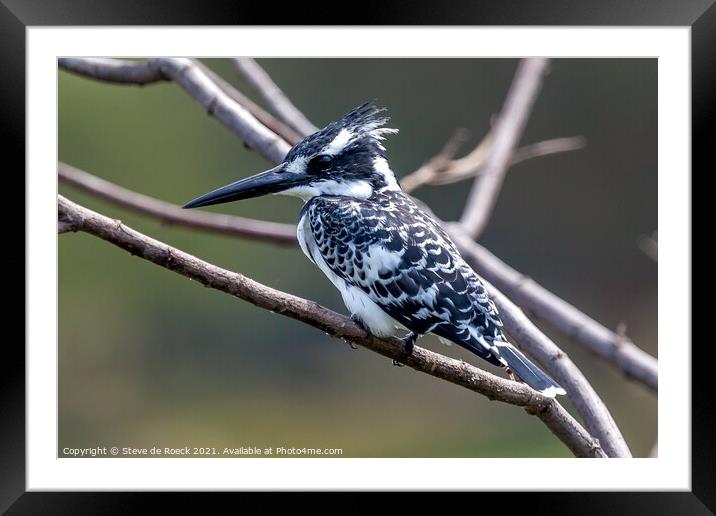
[441, 170]
[273, 97]
[114, 70]
[507, 133]
[603, 419]
[589, 405]
[554, 416]
[607, 344]
[275, 233]
[616, 349]
[526, 335]
[277, 126]
[197, 83]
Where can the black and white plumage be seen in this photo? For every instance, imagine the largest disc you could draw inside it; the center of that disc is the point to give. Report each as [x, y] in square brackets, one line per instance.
[393, 264]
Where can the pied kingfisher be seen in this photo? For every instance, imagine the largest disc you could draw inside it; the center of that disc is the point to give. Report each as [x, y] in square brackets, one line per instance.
[394, 265]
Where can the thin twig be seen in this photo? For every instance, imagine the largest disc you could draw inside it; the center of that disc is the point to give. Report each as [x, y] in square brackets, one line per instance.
[569, 431]
[507, 133]
[438, 165]
[274, 99]
[616, 349]
[277, 126]
[547, 148]
[281, 234]
[439, 171]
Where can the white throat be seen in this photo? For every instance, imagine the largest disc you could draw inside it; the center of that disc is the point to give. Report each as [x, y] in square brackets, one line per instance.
[356, 189]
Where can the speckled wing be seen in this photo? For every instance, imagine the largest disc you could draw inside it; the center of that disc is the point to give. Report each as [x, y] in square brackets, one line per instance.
[404, 261]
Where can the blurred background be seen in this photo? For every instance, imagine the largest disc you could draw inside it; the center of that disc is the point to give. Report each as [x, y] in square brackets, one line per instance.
[149, 358]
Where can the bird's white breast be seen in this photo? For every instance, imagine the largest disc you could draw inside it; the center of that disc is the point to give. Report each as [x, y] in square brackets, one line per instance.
[378, 321]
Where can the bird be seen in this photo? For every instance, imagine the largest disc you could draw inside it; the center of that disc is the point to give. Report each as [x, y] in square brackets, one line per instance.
[395, 267]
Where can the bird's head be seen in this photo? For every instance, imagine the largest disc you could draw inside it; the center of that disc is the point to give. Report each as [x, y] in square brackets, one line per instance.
[344, 158]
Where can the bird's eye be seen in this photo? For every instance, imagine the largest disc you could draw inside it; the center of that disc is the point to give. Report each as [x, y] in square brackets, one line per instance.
[322, 162]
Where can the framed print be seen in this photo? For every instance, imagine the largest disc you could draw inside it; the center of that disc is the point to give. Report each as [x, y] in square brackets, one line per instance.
[353, 198]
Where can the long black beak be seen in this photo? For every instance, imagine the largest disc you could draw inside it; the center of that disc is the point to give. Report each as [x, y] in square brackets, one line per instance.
[271, 181]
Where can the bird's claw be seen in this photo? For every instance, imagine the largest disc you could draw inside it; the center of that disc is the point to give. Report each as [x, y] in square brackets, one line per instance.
[409, 342]
[408, 346]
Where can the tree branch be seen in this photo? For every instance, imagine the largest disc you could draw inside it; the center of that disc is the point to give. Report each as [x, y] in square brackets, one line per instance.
[589, 405]
[607, 344]
[554, 416]
[274, 99]
[114, 70]
[195, 81]
[527, 336]
[507, 133]
[616, 349]
[281, 234]
[220, 105]
[441, 170]
[601, 418]
[277, 126]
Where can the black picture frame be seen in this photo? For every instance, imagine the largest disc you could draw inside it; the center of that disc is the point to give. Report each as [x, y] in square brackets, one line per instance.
[17, 15]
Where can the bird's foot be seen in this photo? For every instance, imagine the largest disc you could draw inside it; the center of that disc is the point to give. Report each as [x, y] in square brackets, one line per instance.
[408, 346]
[409, 342]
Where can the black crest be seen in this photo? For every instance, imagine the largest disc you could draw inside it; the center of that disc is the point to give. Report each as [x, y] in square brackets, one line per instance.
[364, 121]
[354, 159]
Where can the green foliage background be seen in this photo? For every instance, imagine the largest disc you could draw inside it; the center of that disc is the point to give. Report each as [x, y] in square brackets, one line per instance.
[149, 358]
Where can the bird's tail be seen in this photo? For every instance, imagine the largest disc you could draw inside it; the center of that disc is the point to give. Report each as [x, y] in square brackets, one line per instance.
[528, 372]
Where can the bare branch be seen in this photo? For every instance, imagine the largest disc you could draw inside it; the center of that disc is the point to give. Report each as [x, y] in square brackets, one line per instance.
[457, 372]
[547, 148]
[589, 405]
[64, 226]
[272, 96]
[441, 171]
[277, 126]
[114, 70]
[228, 112]
[282, 234]
[526, 335]
[528, 294]
[616, 349]
[507, 133]
[440, 165]
[196, 83]
[610, 432]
